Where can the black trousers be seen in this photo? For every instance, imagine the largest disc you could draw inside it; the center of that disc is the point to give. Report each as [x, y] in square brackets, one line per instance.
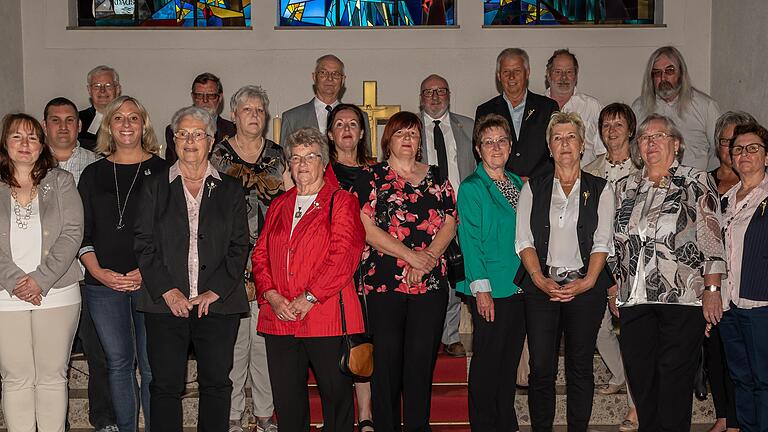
[496, 348]
[406, 333]
[659, 345]
[100, 411]
[289, 359]
[720, 381]
[213, 338]
[579, 320]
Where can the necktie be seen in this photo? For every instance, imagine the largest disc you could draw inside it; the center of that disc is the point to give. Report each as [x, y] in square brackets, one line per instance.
[442, 155]
[328, 108]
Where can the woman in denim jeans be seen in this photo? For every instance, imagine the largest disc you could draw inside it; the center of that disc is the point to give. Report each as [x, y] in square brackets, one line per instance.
[109, 189]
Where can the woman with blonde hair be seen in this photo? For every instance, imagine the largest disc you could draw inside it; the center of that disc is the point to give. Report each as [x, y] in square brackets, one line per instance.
[109, 189]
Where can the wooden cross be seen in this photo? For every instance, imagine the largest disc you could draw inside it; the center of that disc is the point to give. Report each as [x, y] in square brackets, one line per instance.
[377, 114]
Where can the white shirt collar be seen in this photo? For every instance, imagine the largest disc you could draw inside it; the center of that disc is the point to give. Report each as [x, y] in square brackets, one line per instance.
[175, 171]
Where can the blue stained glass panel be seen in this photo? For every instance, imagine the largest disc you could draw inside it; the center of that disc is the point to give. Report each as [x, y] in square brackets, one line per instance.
[568, 12]
[167, 13]
[365, 13]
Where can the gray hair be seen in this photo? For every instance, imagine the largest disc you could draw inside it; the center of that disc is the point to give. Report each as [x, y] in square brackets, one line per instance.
[328, 57]
[562, 117]
[648, 90]
[513, 52]
[249, 92]
[101, 69]
[196, 113]
[306, 137]
[672, 131]
[736, 118]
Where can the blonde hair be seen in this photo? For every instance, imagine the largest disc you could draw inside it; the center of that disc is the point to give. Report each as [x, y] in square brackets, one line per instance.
[560, 117]
[104, 143]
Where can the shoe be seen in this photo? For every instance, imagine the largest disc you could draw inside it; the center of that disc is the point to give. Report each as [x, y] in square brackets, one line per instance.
[610, 389]
[628, 426]
[236, 426]
[455, 349]
[364, 424]
[265, 426]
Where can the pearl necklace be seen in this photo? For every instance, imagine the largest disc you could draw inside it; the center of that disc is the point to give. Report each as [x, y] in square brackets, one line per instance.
[22, 220]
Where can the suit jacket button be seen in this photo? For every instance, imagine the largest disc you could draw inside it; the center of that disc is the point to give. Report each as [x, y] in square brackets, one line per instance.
[202, 267]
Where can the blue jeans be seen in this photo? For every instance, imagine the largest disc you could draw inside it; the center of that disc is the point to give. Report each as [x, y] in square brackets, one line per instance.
[746, 352]
[122, 334]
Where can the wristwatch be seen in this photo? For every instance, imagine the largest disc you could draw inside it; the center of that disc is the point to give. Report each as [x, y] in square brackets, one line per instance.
[712, 288]
[310, 298]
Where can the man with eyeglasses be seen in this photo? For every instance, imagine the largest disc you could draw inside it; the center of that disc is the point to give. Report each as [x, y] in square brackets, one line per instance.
[560, 79]
[527, 113]
[103, 87]
[207, 93]
[667, 90]
[447, 143]
[328, 84]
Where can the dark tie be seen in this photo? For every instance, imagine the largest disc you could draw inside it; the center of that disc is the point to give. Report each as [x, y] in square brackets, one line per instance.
[442, 155]
[329, 109]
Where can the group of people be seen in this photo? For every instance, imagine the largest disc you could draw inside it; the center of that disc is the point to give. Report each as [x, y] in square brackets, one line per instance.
[571, 219]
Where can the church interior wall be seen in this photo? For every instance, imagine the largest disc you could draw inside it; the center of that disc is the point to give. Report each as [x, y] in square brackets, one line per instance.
[157, 66]
[11, 65]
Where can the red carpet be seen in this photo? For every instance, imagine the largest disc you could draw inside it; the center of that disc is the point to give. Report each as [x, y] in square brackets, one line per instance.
[449, 396]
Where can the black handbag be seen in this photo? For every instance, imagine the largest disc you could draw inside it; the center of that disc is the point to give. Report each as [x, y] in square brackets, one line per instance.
[453, 256]
[700, 380]
[356, 357]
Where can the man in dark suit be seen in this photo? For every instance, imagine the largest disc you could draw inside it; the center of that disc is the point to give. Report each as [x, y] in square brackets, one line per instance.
[447, 143]
[527, 113]
[103, 87]
[207, 93]
[328, 85]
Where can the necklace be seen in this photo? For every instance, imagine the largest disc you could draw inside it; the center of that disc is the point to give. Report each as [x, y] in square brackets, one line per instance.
[22, 219]
[193, 180]
[617, 163]
[242, 149]
[121, 208]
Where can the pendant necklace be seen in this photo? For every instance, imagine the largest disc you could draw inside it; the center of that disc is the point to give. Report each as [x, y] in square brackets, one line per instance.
[298, 213]
[121, 208]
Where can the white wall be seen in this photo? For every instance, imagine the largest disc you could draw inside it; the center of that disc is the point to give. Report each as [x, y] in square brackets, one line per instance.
[157, 66]
[740, 67]
[11, 70]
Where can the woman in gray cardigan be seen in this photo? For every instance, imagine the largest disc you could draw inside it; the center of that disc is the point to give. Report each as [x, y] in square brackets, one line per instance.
[41, 227]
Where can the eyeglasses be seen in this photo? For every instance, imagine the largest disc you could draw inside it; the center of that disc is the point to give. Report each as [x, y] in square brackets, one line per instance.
[442, 91]
[105, 87]
[495, 143]
[402, 133]
[749, 148]
[195, 135]
[324, 74]
[645, 139]
[725, 142]
[205, 96]
[308, 158]
[669, 71]
[565, 139]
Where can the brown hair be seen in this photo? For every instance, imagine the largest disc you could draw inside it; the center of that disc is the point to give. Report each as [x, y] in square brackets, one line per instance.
[401, 120]
[751, 128]
[487, 122]
[44, 163]
[361, 156]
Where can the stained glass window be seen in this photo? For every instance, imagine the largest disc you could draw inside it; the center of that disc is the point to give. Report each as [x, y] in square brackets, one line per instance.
[567, 12]
[365, 13]
[165, 13]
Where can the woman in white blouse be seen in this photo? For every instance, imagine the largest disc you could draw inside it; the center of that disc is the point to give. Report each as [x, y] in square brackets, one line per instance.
[744, 294]
[41, 227]
[564, 234]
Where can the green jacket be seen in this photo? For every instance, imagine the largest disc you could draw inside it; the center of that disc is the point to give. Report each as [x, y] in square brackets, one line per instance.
[487, 235]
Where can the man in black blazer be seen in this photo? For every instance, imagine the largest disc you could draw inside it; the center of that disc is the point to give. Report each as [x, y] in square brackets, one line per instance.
[207, 93]
[103, 87]
[527, 113]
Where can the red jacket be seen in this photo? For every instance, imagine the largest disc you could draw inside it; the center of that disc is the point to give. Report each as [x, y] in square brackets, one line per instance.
[317, 258]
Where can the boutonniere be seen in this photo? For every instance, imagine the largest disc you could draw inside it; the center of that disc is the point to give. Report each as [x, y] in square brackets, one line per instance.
[664, 182]
[44, 189]
[211, 186]
[147, 172]
[586, 197]
[530, 113]
[762, 206]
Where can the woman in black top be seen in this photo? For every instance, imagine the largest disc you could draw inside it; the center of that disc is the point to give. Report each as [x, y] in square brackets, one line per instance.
[109, 189]
[349, 159]
[346, 143]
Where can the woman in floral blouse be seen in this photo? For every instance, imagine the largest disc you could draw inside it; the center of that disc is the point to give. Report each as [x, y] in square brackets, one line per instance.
[409, 215]
[670, 259]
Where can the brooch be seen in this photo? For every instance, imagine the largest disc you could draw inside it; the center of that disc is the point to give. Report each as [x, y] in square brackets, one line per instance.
[45, 189]
[762, 207]
[586, 197]
[530, 113]
[211, 186]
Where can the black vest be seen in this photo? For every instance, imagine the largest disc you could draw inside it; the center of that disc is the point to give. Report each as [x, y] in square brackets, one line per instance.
[591, 188]
[754, 260]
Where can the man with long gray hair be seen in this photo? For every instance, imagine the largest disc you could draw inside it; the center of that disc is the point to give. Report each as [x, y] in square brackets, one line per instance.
[667, 90]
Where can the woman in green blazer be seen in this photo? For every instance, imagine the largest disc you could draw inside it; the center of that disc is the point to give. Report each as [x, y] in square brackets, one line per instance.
[487, 213]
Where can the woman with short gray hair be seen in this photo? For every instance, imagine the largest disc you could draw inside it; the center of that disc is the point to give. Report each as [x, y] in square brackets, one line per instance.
[260, 166]
[670, 260]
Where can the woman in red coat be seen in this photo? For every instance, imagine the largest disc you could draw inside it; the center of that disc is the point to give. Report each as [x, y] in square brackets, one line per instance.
[304, 261]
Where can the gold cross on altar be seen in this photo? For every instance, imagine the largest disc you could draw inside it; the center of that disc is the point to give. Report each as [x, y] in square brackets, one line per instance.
[377, 114]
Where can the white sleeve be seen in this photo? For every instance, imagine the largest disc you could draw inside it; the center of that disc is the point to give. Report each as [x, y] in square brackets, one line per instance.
[523, 233]
[602, 240]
